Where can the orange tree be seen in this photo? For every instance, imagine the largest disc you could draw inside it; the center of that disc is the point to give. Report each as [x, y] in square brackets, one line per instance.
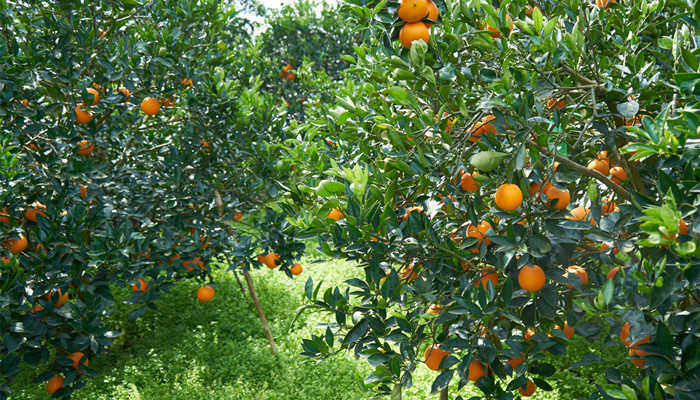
[513, 175]
[305, 44]
[131, 157]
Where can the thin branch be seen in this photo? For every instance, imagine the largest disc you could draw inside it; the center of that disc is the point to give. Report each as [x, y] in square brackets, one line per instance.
[619, 190]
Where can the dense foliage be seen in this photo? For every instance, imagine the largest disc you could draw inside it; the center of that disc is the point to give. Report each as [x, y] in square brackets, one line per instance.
[529, 174]
[505, 175]
[131, 156]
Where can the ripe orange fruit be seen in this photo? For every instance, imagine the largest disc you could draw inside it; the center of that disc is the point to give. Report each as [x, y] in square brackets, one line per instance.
[76, 357]
[95, 95]
[62, 298]
[450, 122]
[4, 216]
[408, 273]
[531, 278]
[187, 82]
[140, 285]
[618, 175]
[508, 197]
[683, 227]
[529, 333]
[434, 309]
[413, 10]
[195, 262]
[635, 352]
[468, 183]
[173, 258]
[466, 265]
[271, 260]
[473, 231]
[433, 11]
[568, 331]
[433, 356]
[36, 308]
[557, 198]
[580, 214]
[296, 269]
[528, 390]
[555, 103]
[335, 214]
[482, 127]
[604, 3]
[124, 91]
[625, 334]
[611, 274]
[414, 31]
[603, 155]
[484, 227]
[16, 245]
[54, 384]
[487, 276]
[238, 216]
[515, 361]
[31, 213]
[529, 9]
[601, 166]
[580, 272]
[168, 102]
[533, 189]
[25, 102]
[609, 206]
[495, 33]
[290, 77]
[85, 148]
[82, 116]
[205, 294]
[476, 371]
[409, 210]
[150, 106]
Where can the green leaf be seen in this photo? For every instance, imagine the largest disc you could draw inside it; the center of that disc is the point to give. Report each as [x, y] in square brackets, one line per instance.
[608, 291]
[328, 187]
[487, 160]
[537, 17]
[442, 381]
[685, 248]
[399, 94]
[417, 53]
[348, 58]
[628, 392]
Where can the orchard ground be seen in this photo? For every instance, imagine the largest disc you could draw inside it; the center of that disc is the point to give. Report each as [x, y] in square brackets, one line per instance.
[187, 350]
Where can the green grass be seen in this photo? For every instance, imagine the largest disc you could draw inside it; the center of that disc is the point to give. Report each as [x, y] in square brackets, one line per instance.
[187, 350]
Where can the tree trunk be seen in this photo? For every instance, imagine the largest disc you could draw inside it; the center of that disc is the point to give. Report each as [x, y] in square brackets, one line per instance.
[261, 314]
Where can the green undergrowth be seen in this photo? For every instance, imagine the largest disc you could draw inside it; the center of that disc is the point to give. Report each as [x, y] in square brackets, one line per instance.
[187, 350]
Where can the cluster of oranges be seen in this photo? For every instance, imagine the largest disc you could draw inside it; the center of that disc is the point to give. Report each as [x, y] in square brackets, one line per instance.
[149, 105]
[605, 167]
[285, 74]
[476, 370]
[271, 260]
[412, 12]
[634, 351]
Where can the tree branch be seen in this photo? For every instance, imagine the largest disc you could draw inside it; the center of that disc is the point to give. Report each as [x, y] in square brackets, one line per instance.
[619, 190]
